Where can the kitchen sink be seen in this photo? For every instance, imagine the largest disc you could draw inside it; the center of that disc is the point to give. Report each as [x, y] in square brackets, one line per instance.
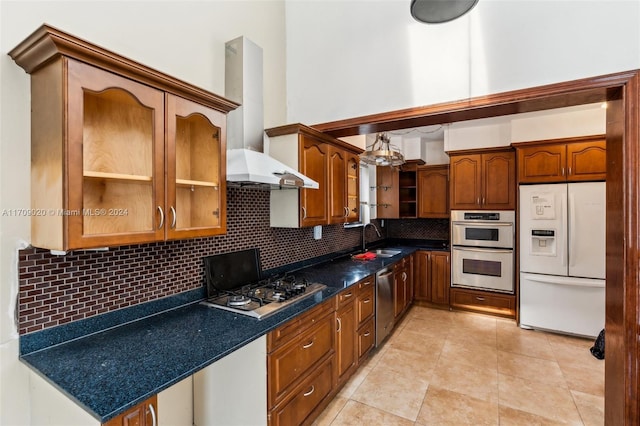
[385, 252]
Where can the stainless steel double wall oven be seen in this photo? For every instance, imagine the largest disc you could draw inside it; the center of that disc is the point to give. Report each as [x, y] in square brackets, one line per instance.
[482, 255]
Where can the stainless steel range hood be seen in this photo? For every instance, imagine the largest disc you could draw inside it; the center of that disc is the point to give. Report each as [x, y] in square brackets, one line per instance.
[247, 164]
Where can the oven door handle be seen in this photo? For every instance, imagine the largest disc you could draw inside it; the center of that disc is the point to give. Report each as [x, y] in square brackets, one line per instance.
[487, 224]
[483, 250]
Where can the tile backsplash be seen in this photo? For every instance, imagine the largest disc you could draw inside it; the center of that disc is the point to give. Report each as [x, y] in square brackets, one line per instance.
[56, 290]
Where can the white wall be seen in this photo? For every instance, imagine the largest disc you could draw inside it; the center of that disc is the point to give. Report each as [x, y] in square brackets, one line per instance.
[183, 39]
[581, 120]
[351, 58]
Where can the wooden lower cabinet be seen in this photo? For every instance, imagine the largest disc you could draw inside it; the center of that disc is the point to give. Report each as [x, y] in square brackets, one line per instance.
[312, 356]
[305, 398]
[366, 339]
[346, 342]
[403, 286]
[289, 364]
[301, 365]
[499, 304]
[143, 414]
[432, 277]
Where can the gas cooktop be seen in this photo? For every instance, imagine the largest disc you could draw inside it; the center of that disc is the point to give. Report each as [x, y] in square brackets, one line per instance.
[265, 297]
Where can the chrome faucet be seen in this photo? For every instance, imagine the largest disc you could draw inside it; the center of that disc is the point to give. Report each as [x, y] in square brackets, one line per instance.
[364, 238]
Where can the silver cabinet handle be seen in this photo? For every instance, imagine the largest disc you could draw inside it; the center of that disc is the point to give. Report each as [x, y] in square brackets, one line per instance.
[563, 171]
[348, 295]
[346, 212]
[481, 299]
[366, 301]
[173, 221]
[308, 345]
[339, 325]
[304, 213]
[569, 171]
[153, 415]
[367, 334]
[161, 217]
[404, 276]
[483, 201]
[478, 201]
[310, 391]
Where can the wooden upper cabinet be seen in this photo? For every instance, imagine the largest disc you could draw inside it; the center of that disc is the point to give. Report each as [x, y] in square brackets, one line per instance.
[343, 187]
[433, 191]
[314, 163]
[483, 181]
[196, 184]
[332, 163]
[562, 160]
[353, 187]
[387, 192]
[466, 181]
[499, 180]
[99, 148]
[587, 161]
[115, 164]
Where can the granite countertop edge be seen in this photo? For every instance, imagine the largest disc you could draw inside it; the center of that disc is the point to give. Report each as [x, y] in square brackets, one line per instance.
[170, 346]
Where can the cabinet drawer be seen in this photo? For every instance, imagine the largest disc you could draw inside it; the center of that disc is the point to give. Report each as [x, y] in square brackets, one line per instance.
[307, 396]
[346, 296]
[293, 328]
[479, 301]
[366, 338]
[290, 362]
[366, 283]
[365, 305]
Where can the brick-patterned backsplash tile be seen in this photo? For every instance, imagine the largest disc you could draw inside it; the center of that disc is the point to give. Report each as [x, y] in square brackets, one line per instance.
[55, 290]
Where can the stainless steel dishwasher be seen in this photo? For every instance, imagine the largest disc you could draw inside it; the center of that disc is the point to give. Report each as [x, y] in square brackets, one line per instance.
[384, 304]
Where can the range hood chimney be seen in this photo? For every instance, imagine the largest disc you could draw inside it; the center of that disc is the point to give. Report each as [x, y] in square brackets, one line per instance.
[247, 164]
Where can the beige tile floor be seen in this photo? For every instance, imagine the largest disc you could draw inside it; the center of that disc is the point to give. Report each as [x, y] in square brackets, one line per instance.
[453, 368]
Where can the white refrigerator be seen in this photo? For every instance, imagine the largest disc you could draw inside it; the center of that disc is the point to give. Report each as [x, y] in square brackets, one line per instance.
[562, 257]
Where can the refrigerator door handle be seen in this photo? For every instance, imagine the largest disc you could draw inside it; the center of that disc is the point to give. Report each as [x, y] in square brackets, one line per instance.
[572, 228]
[564, 246]
[575, 282]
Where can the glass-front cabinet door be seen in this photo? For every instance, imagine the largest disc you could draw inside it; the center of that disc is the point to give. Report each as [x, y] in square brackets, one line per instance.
[116, 168]
[196, 170]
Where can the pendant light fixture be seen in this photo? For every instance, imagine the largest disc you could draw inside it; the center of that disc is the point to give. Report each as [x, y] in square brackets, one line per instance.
[439, 11]
[382, 153]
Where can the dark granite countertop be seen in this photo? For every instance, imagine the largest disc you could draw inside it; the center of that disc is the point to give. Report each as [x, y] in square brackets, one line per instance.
[110, 371]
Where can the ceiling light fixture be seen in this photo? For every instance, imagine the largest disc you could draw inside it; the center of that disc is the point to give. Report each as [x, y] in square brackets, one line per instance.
[382, 153]
[439, 11]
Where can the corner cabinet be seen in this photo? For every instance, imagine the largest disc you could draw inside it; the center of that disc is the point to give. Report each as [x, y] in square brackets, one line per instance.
[562, 160]
[397, 190]
[483, 181]
[120, 153]
[433, 192]
[334, 164]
